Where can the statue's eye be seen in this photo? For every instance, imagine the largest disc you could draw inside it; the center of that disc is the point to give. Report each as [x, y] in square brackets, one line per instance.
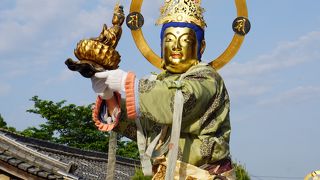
[168, 39]
[187, 40]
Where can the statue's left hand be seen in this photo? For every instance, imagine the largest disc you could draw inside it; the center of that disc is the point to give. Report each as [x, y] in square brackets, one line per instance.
[100, 88]
[113, 79]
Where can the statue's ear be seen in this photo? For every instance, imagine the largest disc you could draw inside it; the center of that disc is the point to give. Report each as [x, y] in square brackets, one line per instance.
[203, 46]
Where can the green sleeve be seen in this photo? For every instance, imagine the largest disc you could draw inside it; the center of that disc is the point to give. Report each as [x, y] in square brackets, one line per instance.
[156, 97]
[127, 127]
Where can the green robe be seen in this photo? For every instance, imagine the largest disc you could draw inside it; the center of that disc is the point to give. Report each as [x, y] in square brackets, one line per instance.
[205, 128]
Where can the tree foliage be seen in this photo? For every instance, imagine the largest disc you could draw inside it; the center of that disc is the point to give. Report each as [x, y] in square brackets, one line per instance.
[73, 126]
[241, 172]
[67, 124]
[128, 149]
[3, 125]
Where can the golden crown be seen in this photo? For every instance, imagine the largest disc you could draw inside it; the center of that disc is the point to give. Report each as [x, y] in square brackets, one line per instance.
[188, 11]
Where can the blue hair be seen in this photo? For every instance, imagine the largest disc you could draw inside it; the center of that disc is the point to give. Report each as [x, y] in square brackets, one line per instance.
[197, 29]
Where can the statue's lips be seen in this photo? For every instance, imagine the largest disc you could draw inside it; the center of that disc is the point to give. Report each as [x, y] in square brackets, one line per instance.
[176, 55]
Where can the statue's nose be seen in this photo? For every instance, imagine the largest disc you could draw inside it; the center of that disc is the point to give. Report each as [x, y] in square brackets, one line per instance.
[176, 46]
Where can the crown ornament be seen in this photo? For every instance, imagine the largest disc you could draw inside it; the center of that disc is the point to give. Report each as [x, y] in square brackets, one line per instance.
[188, 11]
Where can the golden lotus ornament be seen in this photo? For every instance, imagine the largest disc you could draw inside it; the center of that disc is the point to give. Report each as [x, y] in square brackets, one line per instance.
[99, 54]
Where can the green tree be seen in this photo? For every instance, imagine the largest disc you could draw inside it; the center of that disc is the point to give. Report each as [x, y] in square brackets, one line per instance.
[73, 126]
[3, 125]
[67, 124]
[40, 133]
[241, 172]
[128, 149]
[138, 175]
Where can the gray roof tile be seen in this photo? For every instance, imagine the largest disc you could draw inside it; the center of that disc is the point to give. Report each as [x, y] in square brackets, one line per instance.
[83, 164]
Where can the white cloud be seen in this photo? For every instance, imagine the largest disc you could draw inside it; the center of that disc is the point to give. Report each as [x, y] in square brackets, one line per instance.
[285, 55]
[40, 24]
[244, 87]
[296, 95]
[35, 34]
[22, 25]
[32, 25]
[254, 78]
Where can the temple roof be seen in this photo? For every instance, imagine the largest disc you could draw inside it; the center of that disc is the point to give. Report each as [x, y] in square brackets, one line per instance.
[42, 159]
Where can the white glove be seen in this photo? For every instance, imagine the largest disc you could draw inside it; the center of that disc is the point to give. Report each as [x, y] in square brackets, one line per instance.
[100, 88]
[114, 79]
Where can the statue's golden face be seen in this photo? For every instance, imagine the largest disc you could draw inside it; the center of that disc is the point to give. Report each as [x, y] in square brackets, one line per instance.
[179, 49]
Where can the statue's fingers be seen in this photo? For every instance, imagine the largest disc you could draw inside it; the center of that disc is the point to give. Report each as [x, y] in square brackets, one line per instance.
[98, 85]
[104, 74]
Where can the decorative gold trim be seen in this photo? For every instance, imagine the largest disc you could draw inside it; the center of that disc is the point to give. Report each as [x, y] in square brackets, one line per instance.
[189, 11]
[140, 41]
[217, 63]
[313, 175]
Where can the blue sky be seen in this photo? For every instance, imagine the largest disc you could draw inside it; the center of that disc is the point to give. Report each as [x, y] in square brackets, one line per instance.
[273, 81]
